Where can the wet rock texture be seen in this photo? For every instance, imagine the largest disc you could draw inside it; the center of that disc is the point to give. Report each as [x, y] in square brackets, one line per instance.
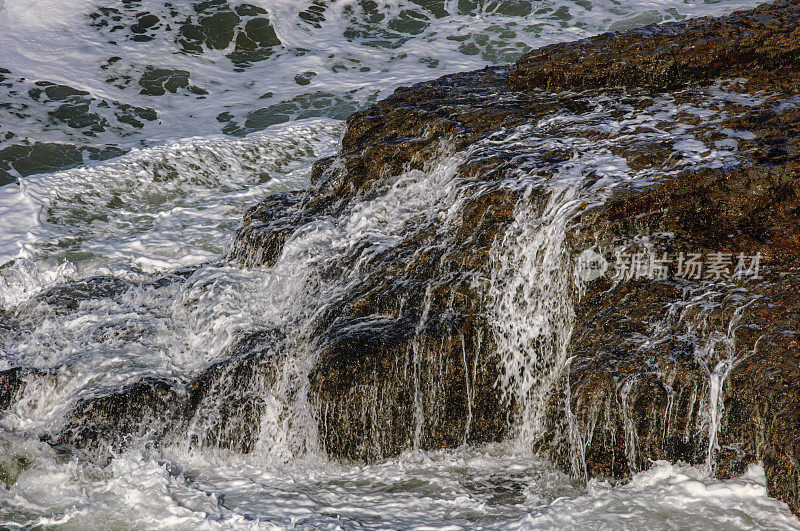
[700, 370]
[220, 408]
[676, 368]
[762, 44]
[647, 354]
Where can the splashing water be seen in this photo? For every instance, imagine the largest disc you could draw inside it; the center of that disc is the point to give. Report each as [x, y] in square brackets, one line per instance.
[719, 349]
[531, 305]
[199, 128]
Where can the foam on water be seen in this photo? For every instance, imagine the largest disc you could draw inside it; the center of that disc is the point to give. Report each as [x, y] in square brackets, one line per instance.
[669, 496]
[84, 80]
[490, 487]
[152, 210]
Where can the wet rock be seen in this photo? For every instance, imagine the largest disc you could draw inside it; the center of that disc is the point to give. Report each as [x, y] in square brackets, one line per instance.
[76, 114]
[220, 408]
[66, 298]
[646, 358]
[13, 383]
[144, 410]
[229, 398]
[759, 43]
[384, 385]
[314, 15]
[304, 78]
[640, 383]
[266, 227]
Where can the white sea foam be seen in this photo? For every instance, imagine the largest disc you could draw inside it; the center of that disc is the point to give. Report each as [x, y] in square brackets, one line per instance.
[152, 210]
[487, 487]
[669, 496]
[356, 57]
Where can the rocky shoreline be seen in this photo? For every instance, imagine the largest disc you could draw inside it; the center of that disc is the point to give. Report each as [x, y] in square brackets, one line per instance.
[636, 387]
[703, 118]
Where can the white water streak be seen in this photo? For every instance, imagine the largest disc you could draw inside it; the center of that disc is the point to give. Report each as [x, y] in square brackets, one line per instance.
[530, 305]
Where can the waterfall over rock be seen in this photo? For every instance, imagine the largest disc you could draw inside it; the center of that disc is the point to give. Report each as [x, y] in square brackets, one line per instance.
[426, 290]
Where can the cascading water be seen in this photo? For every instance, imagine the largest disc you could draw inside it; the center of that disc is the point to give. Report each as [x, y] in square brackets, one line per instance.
[531, 307]
[532, 256]
[717, 352]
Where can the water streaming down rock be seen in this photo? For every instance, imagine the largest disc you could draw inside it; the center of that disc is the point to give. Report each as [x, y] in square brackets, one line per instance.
[705, 321]
[421, 293]
[702, 319]
[530, 305]
[665, 397]
[402, 361]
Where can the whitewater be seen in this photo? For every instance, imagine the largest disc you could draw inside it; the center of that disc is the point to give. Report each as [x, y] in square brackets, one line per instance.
[130, 148]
